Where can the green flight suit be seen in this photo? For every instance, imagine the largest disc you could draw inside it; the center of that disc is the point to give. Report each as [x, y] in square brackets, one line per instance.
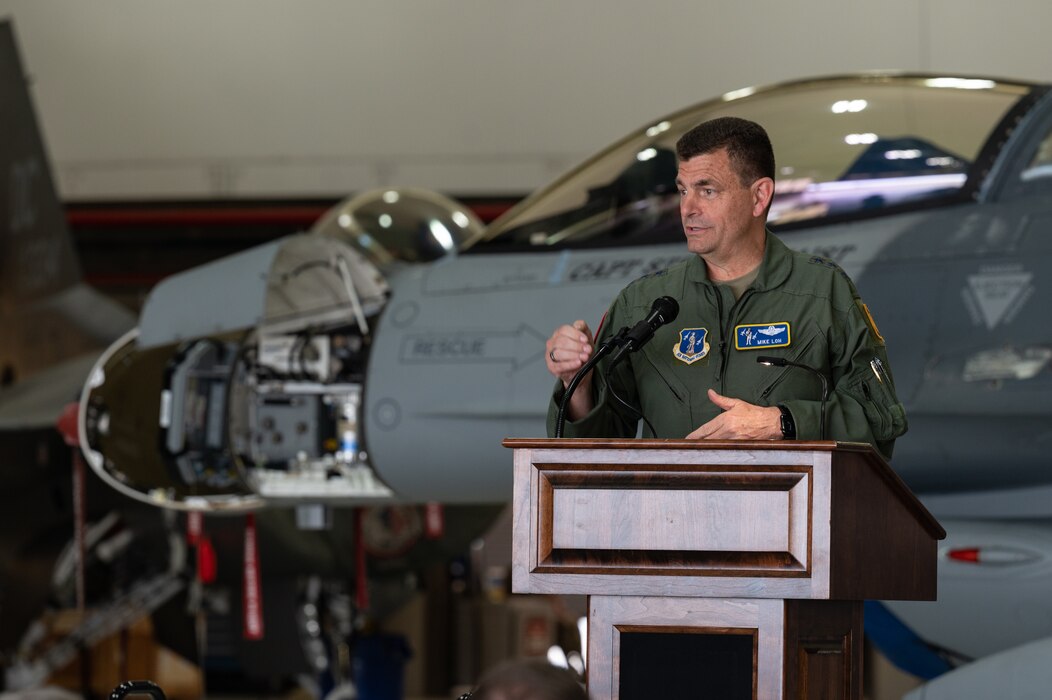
[829, 329]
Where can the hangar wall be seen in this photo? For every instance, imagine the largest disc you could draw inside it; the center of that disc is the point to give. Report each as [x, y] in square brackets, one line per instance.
[147, 99]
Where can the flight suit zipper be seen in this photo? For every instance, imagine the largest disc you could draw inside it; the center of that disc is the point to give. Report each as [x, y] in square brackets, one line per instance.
[725, 332]
[723, 339]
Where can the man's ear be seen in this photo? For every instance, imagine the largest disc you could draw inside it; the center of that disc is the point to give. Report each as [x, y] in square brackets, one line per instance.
[762, 193]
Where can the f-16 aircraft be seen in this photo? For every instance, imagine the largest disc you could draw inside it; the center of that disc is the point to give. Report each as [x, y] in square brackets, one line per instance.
[384, 355]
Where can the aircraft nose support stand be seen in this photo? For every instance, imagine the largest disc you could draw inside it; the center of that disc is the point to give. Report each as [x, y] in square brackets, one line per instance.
[738, 566]
[67, 427]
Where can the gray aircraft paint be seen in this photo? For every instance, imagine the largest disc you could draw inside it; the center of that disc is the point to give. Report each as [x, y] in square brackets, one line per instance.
[1020, 674]
[957, 293]
[986, 607]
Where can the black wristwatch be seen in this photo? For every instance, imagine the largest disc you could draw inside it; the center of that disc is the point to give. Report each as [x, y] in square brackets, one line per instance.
[788, 425]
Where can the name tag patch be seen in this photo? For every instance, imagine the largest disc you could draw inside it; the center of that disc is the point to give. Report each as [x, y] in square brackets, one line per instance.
[693, 345]
[761, 336]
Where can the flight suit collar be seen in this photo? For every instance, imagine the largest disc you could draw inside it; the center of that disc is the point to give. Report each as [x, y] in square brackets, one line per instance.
[775, 267]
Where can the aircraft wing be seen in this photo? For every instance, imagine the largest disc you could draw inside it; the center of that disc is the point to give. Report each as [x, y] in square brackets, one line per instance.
[1019, 673]
[37, 402]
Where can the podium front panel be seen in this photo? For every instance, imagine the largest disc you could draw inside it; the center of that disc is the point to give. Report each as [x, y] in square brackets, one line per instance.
[664, 524]
[711, 520]
[735, 519]
[763, 649]
[749, 632]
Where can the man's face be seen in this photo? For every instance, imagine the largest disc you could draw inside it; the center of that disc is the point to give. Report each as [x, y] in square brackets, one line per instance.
[717, 211]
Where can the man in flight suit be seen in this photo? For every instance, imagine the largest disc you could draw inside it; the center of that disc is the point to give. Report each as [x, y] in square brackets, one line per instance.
[742, 295]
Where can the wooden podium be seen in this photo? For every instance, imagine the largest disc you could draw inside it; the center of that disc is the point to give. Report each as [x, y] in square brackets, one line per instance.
[736, 569]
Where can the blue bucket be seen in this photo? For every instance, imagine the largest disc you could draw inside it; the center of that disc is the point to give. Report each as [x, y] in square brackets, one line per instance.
[379, 666]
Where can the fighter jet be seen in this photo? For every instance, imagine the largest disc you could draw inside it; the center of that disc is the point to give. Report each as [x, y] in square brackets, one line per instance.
[398, 380]
[933, 192]
[383, 355]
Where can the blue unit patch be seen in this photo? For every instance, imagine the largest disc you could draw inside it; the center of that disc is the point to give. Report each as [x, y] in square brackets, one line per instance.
[693, 345]
[761, 336]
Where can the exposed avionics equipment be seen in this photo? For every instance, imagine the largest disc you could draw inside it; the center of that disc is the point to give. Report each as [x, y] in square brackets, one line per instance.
[243, 383]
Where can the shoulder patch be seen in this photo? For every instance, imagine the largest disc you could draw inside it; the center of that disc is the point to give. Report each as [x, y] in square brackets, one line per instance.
[873, 331]
[693, 345]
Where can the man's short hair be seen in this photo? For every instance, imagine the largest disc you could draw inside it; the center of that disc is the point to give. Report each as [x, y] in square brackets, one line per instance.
[747, 144]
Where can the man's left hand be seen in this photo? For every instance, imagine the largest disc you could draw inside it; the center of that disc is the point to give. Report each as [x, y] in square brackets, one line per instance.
[740, 420]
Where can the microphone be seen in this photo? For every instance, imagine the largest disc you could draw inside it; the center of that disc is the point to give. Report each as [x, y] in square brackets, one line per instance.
[663, 310]
[782, 362]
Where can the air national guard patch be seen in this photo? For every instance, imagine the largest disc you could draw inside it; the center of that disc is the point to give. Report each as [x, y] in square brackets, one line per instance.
[693, 345]
[761, 336]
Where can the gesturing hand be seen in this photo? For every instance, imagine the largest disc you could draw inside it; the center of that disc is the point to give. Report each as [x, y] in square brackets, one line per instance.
[568, 349]
[740, 420]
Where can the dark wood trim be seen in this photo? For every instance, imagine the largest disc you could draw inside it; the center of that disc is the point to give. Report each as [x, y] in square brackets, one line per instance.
[626, 562]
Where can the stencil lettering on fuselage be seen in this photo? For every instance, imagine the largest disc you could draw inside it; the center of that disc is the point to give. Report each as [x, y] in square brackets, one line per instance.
[604, 270]
[538, 272]
[516, 348]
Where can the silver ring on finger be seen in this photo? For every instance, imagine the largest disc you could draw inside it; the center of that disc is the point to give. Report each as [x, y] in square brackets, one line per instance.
[551, 354]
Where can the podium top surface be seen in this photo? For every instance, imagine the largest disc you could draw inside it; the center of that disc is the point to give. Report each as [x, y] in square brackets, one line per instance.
[682, 444]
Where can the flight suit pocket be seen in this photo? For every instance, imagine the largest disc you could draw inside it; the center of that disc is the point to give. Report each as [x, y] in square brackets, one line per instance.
[800, 356]
[885, 414]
